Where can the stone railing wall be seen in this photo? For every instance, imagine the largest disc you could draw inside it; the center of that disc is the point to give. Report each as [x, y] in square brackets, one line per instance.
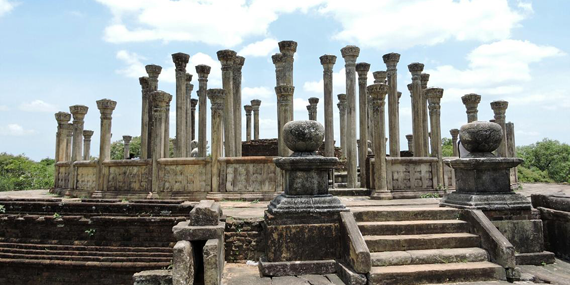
[127, 175]
[86, 175]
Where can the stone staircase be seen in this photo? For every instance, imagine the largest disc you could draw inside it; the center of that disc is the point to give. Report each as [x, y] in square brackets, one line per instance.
[423, 245]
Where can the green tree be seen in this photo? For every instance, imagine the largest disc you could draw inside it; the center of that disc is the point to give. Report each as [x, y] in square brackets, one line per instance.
[447, 147]
[21, 173]
[547, 159]
[117, 148]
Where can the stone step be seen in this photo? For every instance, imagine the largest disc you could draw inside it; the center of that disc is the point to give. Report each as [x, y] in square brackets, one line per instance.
[413, 227]
[40, 246]
[429, 256]
[381, 214]
[349, 191]
[379, 243]
[87, 258]
[47, 251]
[436, 273]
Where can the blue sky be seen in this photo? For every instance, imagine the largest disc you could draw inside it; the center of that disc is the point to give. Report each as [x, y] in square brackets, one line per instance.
[59, 53]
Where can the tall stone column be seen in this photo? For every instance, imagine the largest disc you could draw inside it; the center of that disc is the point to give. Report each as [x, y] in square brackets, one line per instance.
[378, 93]
[78, 112]
[248, 110]
[285, 104]
[362, 69]
[180, 61]
[511, 145]
[328, 62]
[127, 147]
[471, 101]
[424, 77]
[312, 108]
[410, 139]
[417, 114]
[153, 72]
[350, 53]
[145, 90]
[500, 108]
[287, 49]
[87, 134]
[454, 135]
[379, 77]
[255, 103]
[160, 102]
[227, 59]
[434, 99]
[190, 116]
[68, 141]
[203, 72]
[238, 64]
[391, 60]
[217, 100]
[279, 61]
[342, 108]
[106, 108]
[62, 119]
[193, 103]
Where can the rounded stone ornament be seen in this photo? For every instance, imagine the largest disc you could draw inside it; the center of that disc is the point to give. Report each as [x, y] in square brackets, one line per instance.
[481, 136]
[303, 136]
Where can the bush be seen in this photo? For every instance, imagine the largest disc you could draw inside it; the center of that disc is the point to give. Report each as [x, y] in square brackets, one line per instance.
[21, 173]
[547, 158]
[533, 175]
[117, 148]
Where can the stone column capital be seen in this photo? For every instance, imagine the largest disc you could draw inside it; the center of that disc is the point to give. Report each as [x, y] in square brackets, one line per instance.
[391, 59]
[379, 76]
[78, 112]
[127, 139]
[180, 61]
[69, 128]
[288, 48]
[248, 109]
[313, 101]
[203, 71]
[434, 95]
[227, 58]
[188, 78]
[424, 77]
[62, 117]
[328, 61]
[144, 82]
[454, 132]
[410, 86]
[499, 106]
[153, 70]
[350, 53]
[342, 98]
[409, 136]
[278, 59]
[106, 107]
[255, 103]
[399, 96]
[416, 68]
[160, 98]
[193, 103]
[284, 90]
[471, 99]
[87, 134]
[362, 69]
[217, 97]
[239, 61]
[378, 91]
[189, 88]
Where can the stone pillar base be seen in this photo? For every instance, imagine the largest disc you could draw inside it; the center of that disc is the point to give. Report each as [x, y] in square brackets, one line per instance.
[297, 204]
[381, 195]
[487, 201]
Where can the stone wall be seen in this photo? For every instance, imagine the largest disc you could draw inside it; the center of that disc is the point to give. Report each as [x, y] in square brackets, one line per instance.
[555, 215]
[262, 147]
[244, 240]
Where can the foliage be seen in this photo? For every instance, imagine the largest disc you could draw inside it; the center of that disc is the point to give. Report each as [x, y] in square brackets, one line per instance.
[2, 209]
[21, 173]
[544, 161]
[117, 148]
[90, 232]
[447, 147]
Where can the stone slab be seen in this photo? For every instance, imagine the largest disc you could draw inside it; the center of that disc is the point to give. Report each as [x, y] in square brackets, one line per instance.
[525, 235]
[183, 231]
[290, 268]
[487, 202]
[153, 277]
[183, 264]
[348, 276]
[206, 213]
[535, 258]
[213, 261]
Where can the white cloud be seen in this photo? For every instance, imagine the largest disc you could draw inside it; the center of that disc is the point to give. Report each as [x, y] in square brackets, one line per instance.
[494, 69]
[14, 130]
[134, 67]
[260, 48]
[6, 6]
[256, 92]
[300, 104]
[4, 108]
[214, 22]
[38, 106]
[425, 22]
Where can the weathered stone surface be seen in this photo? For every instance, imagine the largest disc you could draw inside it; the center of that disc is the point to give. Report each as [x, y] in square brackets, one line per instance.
[183, 231]
[556, 231]
[355, 250]
[213, 261]
[206, 213]
[303, 136]
[348, 276]
[183, 264]
[153, 277]
[525, 235]
[285, 268]
[480, 137]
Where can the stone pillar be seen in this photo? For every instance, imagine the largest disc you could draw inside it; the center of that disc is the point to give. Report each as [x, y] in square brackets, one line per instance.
[190, 116]
[378, 93]
[227, 59]
[160, 102]
[471, 101]
[279, 61]
[285, 104]
[454, 134]
[424, 77]
[312, 108]
[248, 110]
[145, 90]
[62, 119]
[512, 149]
[391, 60]
[87, 134]
[78, 112]
[350, 53]
[127, 147]
[181, 144]
[379, 77]
[328, 62]
[255, 103]
[238, 64]
[362, 69]
[417, 114]
[434, 99]
[153, 72]
[217, 100]
[287, 49]
[193, 103]
[106, 108]
[500, 108]
[342, 105]
[203, 72]
[410, 139]
[68, 141]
